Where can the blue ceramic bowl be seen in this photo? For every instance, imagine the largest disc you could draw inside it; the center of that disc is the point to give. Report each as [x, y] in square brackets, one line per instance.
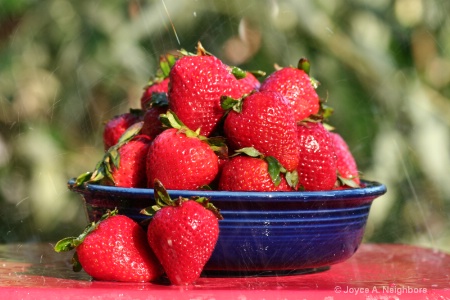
[263, 231]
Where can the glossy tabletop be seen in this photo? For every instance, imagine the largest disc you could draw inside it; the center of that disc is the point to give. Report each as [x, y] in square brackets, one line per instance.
[35, 271]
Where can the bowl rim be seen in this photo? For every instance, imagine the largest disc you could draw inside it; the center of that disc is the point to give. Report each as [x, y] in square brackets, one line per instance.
[372, 189]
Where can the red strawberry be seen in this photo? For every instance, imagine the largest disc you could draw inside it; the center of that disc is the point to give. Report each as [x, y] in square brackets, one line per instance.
[113, 249]
[158, 86]
[181, 159]
[249, 83]
[197, 83]
[244, 173]
[264, 121]
[152, 125]
[124, 164]
[296, 85]
[345, 162]
[317, 166]
[183, 234]
[154, 87]
[116, 126]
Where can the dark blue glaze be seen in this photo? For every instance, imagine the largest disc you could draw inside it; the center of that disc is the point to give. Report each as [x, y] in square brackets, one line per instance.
[263, 231]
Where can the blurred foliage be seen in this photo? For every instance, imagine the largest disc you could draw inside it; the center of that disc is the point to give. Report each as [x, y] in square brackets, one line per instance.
[67, 66]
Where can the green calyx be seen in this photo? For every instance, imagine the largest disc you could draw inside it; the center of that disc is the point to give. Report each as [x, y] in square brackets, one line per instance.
[70, 243]
[111, 159]
[217, 143]
[158, 100]
[347, 182]
[166, 63]
[228, 103]
[162, 199]
[275, 168]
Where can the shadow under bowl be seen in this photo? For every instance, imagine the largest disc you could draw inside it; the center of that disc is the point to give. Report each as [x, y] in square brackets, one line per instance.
[276, 232]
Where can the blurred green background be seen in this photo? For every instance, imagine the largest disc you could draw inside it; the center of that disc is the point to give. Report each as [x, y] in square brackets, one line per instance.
[67, 66]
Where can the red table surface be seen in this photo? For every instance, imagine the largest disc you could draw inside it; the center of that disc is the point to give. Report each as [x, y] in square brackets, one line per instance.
[376, 271]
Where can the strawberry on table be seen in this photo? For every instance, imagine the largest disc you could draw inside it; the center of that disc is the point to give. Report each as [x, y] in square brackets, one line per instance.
[298, 88]
[116, 126]
[180, 158]
[113, 249]
[345, 162]
[197, 83]
[317, 166]
[264, 121]
[183, 234]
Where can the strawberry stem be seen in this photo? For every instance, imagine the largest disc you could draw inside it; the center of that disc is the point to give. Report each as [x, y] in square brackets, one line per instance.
[304, 64]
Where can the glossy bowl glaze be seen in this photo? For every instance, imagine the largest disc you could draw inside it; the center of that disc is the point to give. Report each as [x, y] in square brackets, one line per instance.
[263, 231]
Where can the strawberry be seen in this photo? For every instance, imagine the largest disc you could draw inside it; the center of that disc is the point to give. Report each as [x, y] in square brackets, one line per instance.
[249, 83]
[197, 83]
[298, 88]
[183, 234]
[264, 121]
[113, 249]
[244, 173]
[317, 166]
[345, 162]
[152, 125]
[158, 86]
[117, 125]
[154, 88]
[181, 158]
[124, 164]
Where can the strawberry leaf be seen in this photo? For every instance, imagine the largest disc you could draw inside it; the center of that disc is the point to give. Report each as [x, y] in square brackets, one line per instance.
[82, 178]
[257, 73]
[206, 203]
[69, 243]
[162, 197]
[170, 120]
[151, 210]
[348, 182]
[274, 169]
[76, 265]
[228, 103]
[250, 151]
[217, 144]
[111, 158]
[131, 132]
[159, 100]
[292, 179]
[166, 63]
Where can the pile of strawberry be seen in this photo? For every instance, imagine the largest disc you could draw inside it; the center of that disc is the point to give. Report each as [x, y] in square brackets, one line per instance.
[205, 125]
